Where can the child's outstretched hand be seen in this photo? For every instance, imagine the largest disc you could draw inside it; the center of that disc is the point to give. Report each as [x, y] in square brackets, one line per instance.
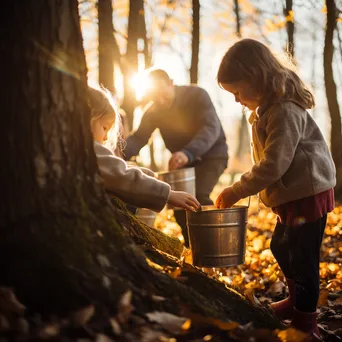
[226, 198]
[183, 200]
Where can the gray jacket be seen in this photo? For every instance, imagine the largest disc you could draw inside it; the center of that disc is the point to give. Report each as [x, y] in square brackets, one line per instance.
[134, 185]
[291, 157]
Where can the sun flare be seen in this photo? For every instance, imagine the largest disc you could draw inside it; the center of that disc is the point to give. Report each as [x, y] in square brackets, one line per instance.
[140, 83]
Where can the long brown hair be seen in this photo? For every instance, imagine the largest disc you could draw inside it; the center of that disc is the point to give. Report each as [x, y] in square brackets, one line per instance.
[251, 61]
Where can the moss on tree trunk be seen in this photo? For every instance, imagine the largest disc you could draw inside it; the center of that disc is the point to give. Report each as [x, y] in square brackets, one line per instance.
[66, 263]
[143, 234]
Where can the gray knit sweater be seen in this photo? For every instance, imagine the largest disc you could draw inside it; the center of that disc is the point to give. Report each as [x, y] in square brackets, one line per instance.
[190, 125]
[291, 157]
[134, 185]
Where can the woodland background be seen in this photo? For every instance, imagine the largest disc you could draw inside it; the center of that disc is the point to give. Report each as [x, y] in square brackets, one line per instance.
[74, 263]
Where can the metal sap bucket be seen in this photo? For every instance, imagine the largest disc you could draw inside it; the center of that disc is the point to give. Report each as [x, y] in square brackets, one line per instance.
[218, 236]
[146, 215]
[180, 179]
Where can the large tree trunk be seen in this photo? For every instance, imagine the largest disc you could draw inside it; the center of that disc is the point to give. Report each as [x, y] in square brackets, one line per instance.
[331, 92]
[290, 27]
[195, 41]
[49, 182]
[107, 44]
[136, 29]
[62, 244]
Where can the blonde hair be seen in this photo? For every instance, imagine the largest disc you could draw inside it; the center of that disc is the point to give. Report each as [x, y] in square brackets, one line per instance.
[251, 61]
[102, 103]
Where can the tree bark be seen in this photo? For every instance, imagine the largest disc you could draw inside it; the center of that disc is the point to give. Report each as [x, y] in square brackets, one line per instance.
[50, 185]
[331, 93]
[145, 235]
[290, 27]
[62, 244]
[44, 87]
[107, 44]
[195, 41]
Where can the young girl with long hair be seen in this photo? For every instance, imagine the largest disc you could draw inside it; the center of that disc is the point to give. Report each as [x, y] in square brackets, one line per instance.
[293, 170]
[135, 186]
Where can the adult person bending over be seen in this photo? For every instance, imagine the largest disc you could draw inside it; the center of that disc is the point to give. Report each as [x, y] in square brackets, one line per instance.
[191, 130]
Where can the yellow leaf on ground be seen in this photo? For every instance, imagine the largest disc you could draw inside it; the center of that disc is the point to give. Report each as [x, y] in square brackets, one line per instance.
[176, 272]
[202, 320]
[323, 298]
[293, 335]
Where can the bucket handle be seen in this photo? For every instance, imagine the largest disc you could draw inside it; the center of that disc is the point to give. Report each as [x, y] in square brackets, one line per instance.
[249, 201]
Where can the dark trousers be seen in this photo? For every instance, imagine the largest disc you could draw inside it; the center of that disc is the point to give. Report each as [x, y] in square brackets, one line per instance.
[207, 173]
[297, 250]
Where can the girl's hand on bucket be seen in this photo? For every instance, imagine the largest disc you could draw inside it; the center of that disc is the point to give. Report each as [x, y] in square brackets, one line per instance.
[226, 198]
[181, 199]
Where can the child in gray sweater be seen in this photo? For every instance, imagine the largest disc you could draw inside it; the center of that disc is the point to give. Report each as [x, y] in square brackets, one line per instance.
[293, 170]
[135, 186]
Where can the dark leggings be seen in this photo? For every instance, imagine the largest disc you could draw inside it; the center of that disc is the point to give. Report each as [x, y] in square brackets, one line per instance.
[297, 250]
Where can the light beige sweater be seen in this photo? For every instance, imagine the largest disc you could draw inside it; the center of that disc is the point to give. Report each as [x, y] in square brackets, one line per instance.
[291, 157]
[134, 185]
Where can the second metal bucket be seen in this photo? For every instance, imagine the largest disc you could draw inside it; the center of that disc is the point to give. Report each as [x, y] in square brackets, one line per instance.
[180, 179]
[218, 236]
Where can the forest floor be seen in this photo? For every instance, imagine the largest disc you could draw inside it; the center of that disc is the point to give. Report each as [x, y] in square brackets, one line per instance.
[259, 279]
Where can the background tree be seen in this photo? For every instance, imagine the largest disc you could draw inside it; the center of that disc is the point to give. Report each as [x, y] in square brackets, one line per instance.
[243, 144]
[331, 93]
[195, 41]
[109, 52]
[289, 17]
[136, 30]
[238, 20]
